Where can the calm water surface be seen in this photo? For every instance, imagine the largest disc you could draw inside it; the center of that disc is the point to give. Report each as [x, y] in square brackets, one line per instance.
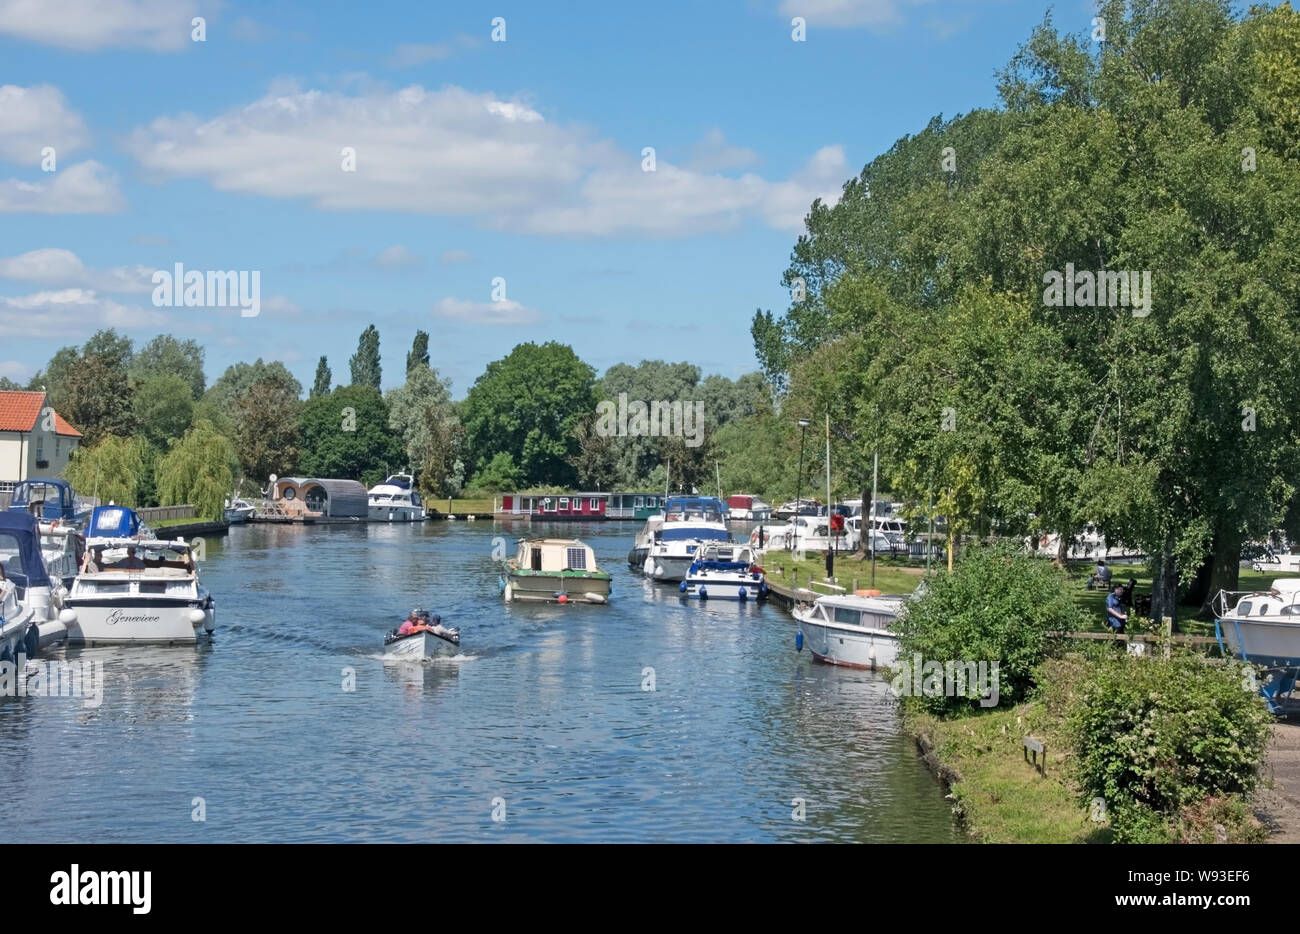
[543, 708]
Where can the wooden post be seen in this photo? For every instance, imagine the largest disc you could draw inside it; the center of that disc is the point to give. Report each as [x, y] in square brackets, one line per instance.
[855, 585]
[1169, 634]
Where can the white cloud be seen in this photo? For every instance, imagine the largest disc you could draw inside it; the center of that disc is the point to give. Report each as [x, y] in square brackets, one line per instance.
[279, 305]
[160, 25]
[36, 117]
[396, 257]
[63, 269]
[454, 152]
[84, 188]
[506, 311]
[845, 14]
[73, 311]
[452, 257]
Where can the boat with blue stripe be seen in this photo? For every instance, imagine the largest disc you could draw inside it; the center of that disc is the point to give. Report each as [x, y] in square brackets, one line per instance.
[1262, 628]
[723, 571]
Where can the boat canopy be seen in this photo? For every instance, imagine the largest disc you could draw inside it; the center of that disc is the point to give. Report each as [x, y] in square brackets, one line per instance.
[694, 507]
[113, 522]
[56, 498]
[399, 480]
[20, 550]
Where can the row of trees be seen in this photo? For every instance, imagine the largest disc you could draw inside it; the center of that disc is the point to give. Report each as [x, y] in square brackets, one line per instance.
[920, 323]
[155, 432]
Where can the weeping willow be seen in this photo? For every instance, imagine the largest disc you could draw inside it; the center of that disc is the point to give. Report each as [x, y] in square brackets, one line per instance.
[110, 471]
[197, 470]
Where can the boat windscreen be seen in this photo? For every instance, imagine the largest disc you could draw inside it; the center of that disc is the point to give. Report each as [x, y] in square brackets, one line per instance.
[679, 535]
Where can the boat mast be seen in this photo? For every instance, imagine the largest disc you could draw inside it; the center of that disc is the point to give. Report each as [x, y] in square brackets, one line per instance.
[875, 467]
[829, 504]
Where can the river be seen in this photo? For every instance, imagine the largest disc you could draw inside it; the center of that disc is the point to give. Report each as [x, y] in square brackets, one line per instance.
[290, 728]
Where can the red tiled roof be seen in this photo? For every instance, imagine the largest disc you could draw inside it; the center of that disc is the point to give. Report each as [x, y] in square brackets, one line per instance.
[19, 411]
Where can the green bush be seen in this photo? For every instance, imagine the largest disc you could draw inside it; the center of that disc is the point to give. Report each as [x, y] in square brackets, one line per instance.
[998, 605]
[1155, 739]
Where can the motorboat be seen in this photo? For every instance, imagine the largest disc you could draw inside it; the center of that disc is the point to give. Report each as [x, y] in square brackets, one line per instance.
[808, 533]
[238, 510]
[688, 523]
[555, 570]
[853, 630]
[136, 590]
[62, 549]
[644, 541]
[50, 500]
[1263, 628]
[744, 508]
[802, 507]
[27, 599]
[428, 638]
[724, 571]
[395, 500]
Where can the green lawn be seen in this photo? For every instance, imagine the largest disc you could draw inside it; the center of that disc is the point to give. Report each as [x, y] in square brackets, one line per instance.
[893, 575]
[460, 507]
[1094, 601]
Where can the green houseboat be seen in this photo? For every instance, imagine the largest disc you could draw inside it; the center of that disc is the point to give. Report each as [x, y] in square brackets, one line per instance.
[555, 570]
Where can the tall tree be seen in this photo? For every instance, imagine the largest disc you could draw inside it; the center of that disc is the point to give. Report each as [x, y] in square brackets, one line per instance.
[165, 354]
[366, 370]
[324, 377]
[419, 353]
[345, 435]
[110, 470]
[267, 428]
[198, 470]
[163, 407]
[96, 398]
[239, 378]
[421, 412]
[526, 405]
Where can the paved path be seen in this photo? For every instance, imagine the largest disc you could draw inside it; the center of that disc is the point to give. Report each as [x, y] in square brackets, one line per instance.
[1279, 806]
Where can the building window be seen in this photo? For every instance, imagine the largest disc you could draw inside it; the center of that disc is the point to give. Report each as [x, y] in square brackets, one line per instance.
[593, 504]
[58, 447]
[640, 502]
[564, 503]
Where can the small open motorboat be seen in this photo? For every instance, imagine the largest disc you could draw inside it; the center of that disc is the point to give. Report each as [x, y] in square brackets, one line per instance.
[427, 639]
[722, 571]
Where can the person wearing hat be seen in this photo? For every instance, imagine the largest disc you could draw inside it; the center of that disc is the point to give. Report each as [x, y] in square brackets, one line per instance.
[408, 626]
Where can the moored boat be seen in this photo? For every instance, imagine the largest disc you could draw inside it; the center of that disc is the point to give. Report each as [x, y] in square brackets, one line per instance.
[644, 541]
[1263, 628]
[688, 523]
[136, 590]
[27, 600]
[724, 571]
[395, 500]
[853, 630]
[555, 570]
[238, 510]
[744, 508]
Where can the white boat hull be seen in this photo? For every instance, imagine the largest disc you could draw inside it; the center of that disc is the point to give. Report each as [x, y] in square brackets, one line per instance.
[852, 647]
[1272, 643]
[724, 587]
[396, 513]
[420, 646]
[139, 623]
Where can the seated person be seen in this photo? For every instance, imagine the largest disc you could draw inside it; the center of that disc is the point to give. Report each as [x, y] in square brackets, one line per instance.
[130, 563]
[409, 624]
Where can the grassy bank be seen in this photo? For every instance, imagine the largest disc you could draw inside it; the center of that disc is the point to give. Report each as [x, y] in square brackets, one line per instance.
[999, 796]
[892, 575]
[460, 507]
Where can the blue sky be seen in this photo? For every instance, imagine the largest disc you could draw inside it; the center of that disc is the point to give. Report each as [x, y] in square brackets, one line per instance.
[475, 160]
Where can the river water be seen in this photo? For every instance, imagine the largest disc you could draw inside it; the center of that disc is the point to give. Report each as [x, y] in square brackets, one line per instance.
[541, 721]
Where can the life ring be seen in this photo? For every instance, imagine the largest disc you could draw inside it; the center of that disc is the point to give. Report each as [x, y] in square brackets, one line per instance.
[867, 593]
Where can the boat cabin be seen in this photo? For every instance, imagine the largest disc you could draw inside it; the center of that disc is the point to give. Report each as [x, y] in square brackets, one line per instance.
[552, 555]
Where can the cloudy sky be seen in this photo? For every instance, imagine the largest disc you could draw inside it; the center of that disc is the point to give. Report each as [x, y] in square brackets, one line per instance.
[475, 160]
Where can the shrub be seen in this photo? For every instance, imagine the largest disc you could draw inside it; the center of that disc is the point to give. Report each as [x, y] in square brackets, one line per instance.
[1155, 739]
[998, 605]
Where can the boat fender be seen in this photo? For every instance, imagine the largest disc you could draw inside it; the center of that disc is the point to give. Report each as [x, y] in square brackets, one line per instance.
[743, 595]
[704, 593]
[32, 641]
[509, 592]
[682, 586]
[68, 617]
[197, 617]
[562, 598]
[798, 640]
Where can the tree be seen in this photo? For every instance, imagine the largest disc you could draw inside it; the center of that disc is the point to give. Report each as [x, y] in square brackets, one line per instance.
[198, 470]
[239, 378]
[421, 412]
[345, 435]
[364, 363]
[96, 397]
[324, 377]
[267, 428]
[419, 354]
[163, 407]
[51, 379]
[115, 348]
[526, 405]
[498, 475]
[595, 461]
[165, 354]
[9, 385]
[109, 470]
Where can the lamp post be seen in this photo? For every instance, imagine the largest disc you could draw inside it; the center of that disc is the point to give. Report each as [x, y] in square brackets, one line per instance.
[798, 484]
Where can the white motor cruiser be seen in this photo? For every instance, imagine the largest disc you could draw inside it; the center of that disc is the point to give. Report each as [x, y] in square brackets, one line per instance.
[722, 571]
[689, 522]
[136, 590]
[853, 630]
[238, 510]
[396, 500]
